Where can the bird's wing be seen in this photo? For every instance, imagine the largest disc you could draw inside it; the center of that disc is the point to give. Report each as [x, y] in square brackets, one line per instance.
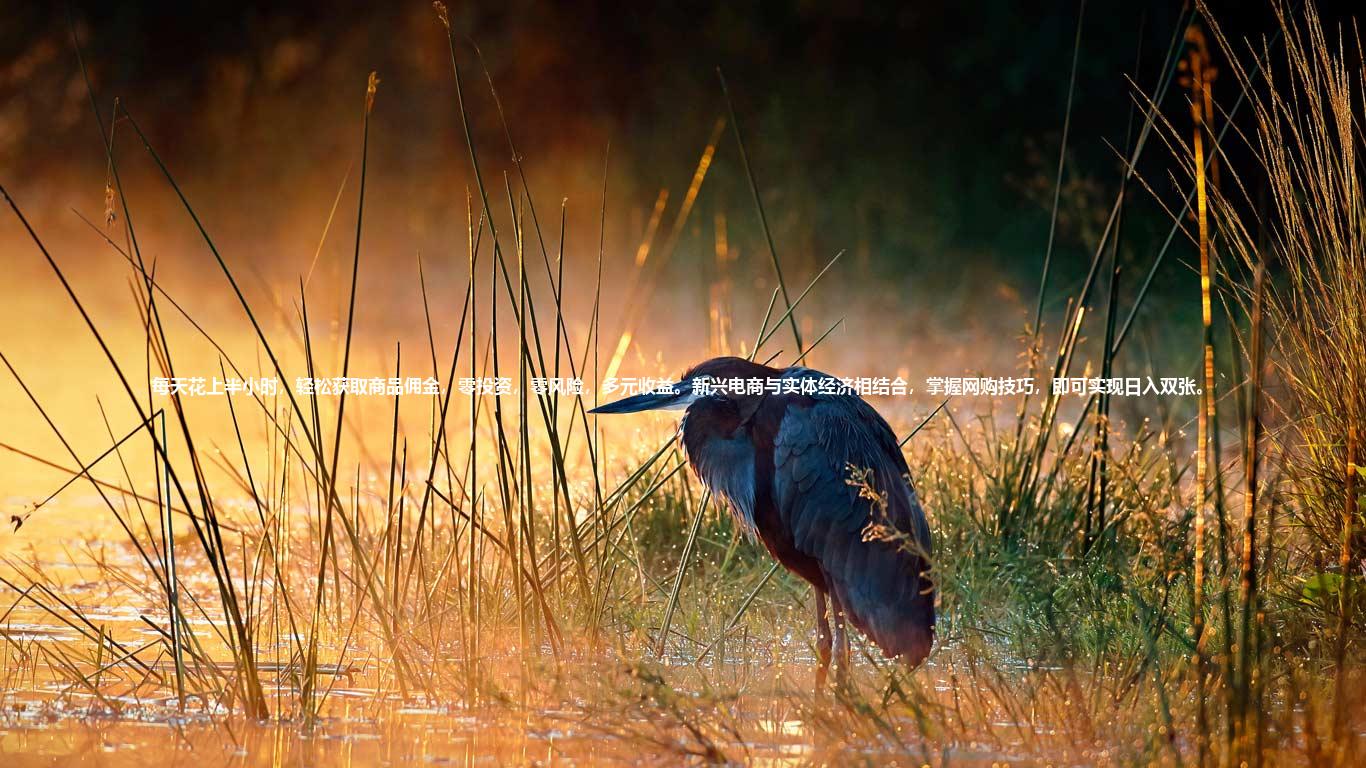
[877, 571]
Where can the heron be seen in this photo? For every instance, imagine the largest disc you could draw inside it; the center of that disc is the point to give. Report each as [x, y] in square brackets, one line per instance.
[813, 472]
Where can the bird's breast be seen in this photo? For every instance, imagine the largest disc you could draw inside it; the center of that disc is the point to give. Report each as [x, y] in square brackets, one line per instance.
[725, 465]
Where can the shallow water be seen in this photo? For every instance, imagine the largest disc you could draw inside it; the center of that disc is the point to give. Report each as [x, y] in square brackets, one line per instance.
[83, 730]
[47, 719]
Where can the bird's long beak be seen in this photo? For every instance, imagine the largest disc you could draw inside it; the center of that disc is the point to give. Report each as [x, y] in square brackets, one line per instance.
[681, 397]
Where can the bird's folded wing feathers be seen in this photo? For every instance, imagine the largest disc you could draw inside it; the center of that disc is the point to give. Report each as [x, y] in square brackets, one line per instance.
[878, 582]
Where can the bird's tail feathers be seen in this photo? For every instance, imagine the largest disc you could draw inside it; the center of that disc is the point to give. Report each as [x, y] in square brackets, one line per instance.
[895, 612]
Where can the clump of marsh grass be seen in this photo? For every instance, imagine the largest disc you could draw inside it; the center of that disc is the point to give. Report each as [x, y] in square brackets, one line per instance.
[1308, 232]
[1299, 219]
[1281, 252]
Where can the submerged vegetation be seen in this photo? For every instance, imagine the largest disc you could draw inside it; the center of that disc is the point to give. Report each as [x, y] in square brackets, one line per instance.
[1184, 589]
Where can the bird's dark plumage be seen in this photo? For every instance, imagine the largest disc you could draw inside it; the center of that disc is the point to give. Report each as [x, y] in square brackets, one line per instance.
[786, 464]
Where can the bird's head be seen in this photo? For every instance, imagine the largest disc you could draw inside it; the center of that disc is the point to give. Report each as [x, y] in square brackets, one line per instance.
[687, 391]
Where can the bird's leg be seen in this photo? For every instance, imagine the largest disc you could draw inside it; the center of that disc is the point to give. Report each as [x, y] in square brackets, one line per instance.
[841, 645]
[822, 642]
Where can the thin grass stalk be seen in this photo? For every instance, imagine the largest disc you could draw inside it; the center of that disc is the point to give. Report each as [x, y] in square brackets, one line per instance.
[787, 315]
[1102, 461]
[524, 498]
[476, 506]
[1340, 673]
[84, 471]
[1248, 596]
[268, 541]
[330, 472]
[1207, 408]
[309, 687]
[561, 335]
[1026, 490]
[526, 494]
[799, 359]
[1057, 193]
[922, 423]
[763, 325]
[1099, 481]
[394, 557]
[505, 463]
[759, 206]
[683, 562]
[475, 236]
[172, 580]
